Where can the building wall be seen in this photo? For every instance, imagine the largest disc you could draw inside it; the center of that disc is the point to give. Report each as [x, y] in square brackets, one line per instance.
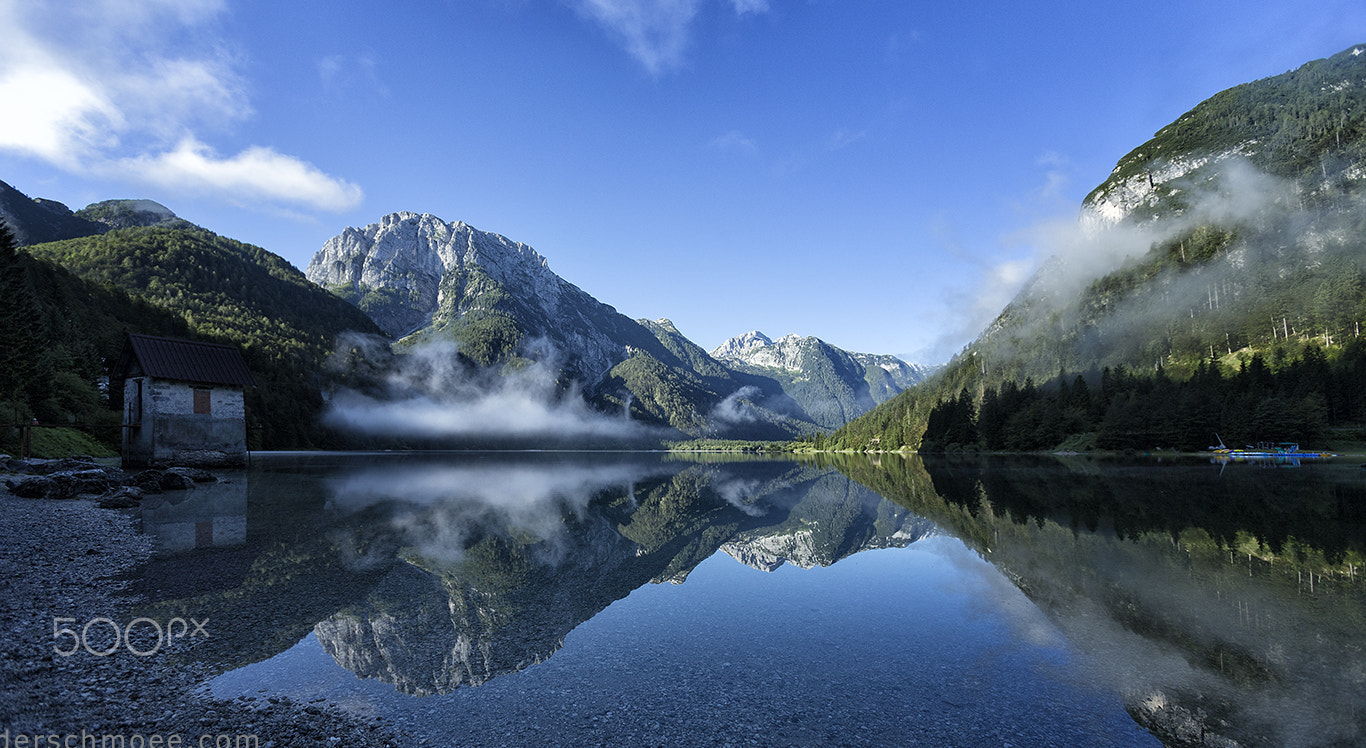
[170, 432]
[137, 423]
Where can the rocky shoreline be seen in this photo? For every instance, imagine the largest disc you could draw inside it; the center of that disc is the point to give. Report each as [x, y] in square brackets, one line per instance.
[66, 562]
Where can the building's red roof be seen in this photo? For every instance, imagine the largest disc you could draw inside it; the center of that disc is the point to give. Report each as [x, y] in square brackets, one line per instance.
[185, 361]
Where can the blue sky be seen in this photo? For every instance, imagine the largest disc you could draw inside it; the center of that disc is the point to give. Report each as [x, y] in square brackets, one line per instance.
[868, 172]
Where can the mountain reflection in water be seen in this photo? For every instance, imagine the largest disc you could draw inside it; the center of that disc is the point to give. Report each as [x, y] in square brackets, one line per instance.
[1226, 604]
[1222, 607]
[504, 559]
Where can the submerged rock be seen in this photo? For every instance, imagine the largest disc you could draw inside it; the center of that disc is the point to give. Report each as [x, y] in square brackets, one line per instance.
[153, 480]
[122, 497]
[198, 475]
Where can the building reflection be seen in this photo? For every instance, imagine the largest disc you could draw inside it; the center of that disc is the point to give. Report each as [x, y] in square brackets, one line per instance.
[211, 515]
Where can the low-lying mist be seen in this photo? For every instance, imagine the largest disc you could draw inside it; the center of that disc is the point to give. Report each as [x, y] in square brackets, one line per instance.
[432, 394]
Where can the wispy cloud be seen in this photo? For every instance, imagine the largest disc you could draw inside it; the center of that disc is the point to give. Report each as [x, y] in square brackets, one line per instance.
[734, 140]
[1055, 177]
[897, 45]
[340, 74]
[841, 139]
[1053, 258]
[749, 6]
[736, 407]
[990, 281]
[131, 88]
[655, 32]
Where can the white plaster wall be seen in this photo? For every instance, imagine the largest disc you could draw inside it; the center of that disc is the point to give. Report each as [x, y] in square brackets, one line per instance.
[172, 433]
[177, 398]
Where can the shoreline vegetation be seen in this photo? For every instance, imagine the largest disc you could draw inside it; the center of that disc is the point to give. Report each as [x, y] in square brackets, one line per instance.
[1311, 396]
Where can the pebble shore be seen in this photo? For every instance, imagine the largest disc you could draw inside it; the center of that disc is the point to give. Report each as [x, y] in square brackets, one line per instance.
[65, 560]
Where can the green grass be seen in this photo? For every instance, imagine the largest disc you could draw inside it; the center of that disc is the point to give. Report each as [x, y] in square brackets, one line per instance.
[56, 442]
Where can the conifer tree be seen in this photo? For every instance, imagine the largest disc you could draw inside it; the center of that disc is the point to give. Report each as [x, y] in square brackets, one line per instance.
[23, 357]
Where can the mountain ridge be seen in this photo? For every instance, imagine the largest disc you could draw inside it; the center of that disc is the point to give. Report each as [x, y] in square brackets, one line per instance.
[425, 280]
[829, 385]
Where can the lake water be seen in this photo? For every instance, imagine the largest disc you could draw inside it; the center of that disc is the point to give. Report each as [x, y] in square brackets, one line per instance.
[647, 599]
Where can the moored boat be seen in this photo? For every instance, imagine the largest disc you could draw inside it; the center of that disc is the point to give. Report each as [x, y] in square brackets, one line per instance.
[1266, 451]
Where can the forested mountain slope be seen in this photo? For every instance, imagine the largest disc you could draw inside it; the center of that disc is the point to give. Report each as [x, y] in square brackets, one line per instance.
[1237, 232]
[57, 335]
[213, 288]
[33, 221]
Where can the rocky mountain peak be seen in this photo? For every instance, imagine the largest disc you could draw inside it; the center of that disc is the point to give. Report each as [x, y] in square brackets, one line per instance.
[758, 349]
[740, 346]
[409, 253]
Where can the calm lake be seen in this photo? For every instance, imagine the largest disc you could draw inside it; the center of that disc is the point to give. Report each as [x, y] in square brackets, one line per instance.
[650, 599]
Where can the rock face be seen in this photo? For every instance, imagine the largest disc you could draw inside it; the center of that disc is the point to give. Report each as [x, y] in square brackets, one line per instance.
[410, 254]
[830, 523]
[831, 385]
[423, 279]
[412, 272]
[797, 354]
[744, 347]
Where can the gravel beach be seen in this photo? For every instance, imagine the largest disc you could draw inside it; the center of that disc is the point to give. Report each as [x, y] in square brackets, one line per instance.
[66, 563]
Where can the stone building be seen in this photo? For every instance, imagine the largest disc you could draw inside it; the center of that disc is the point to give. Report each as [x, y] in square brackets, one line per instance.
[182, 402]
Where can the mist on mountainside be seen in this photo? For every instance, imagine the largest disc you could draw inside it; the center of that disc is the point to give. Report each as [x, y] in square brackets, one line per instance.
[1240, 252]
[432, 393]
[1235, 237]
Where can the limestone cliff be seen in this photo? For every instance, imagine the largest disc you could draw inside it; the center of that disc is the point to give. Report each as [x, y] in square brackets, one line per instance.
[415, 273]
[829, 384]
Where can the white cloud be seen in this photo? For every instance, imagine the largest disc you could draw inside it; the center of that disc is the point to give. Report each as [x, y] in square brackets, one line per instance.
[330, 69]
[1053, 258]
[736, 407]
[134, 14]
[655, 32]
[256, 175]
[63, 119]
[431, 394]
[136, 84]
